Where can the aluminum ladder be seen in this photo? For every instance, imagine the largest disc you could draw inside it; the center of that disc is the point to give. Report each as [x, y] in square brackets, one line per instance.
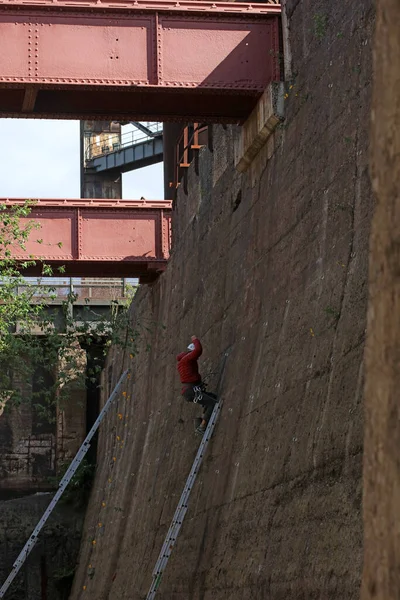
[181, 510]
[63, 484]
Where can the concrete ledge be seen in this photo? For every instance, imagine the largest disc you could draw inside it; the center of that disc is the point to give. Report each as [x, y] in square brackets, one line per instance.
[259, 126]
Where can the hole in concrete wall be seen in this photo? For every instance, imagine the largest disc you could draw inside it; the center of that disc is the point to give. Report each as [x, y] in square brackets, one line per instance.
[237, 201]
[43, 406]
[95, 359]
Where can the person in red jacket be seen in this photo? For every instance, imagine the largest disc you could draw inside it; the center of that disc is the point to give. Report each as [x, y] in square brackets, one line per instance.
[193, 389]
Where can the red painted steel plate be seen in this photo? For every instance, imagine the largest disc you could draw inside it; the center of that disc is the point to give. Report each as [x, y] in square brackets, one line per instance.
[158, 60]
[55, 238]
[226, 57]
[99, 237]
[108, 235]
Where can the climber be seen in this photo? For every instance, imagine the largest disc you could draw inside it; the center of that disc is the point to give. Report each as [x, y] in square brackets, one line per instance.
[193, 389]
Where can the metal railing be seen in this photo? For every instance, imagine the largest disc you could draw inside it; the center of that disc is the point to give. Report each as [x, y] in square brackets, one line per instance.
[59, 288]
[120, 141]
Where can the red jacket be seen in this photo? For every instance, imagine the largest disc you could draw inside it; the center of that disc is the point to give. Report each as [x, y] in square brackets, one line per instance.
[187, 364]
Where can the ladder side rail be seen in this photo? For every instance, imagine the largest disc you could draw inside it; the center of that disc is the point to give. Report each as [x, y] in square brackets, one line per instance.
[188, 486]
[170, 541]
[180, 513]
[181, 506]
[26, 550]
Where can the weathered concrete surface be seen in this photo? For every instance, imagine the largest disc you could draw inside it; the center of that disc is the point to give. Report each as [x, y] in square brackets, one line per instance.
[33, 446]
[275, 274]
[381, 580]
[44, 575]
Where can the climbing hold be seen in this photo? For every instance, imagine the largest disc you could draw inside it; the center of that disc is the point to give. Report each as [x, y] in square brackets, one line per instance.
[99, 525]
[118, 438]
[103, 504]
[312, 332]
[84, 587]
[119, 416]
[124, 394]
[94, 542]
[114, 458]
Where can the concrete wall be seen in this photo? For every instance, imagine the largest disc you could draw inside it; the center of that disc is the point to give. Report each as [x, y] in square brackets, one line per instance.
[381, 580]
[271, 268]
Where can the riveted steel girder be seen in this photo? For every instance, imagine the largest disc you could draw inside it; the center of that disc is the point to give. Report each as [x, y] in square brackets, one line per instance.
[136, 60]
[94, 238]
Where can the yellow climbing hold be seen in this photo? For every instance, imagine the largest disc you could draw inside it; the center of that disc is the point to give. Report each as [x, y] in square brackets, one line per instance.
[119, 416]
[109, 481]
[84, 587]
[103, 504]
[118, 438]
[131, 356]
[312, 332]
[124, 394]
[94, 542]
[99, 525]
[114, 458]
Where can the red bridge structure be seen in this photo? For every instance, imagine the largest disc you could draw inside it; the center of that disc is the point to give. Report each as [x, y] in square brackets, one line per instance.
[157, 60]
[98, 238]
[123, 60]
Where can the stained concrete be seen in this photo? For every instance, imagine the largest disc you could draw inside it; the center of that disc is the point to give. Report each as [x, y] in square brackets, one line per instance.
[381, 579]
[270, 268]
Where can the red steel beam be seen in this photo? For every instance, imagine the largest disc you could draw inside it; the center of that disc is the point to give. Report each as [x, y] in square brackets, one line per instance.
[136, 60]
[94, 238]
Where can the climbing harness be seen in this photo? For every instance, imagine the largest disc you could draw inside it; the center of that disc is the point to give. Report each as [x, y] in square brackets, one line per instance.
[198, 393]
[181, 510]
[63, 484]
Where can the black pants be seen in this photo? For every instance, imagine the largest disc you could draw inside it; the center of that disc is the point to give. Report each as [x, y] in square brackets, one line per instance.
[206, 399]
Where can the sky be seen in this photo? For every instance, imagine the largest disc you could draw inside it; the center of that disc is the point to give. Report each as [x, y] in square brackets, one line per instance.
[40, 159]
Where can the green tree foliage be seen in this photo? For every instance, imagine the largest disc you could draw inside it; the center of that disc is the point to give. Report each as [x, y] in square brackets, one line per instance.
[39, 345]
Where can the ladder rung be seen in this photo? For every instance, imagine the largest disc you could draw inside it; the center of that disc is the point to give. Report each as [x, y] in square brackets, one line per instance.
[182, 507]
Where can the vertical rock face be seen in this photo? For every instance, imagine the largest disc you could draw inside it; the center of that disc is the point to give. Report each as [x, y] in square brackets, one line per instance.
[381, 466]
[270, 269]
